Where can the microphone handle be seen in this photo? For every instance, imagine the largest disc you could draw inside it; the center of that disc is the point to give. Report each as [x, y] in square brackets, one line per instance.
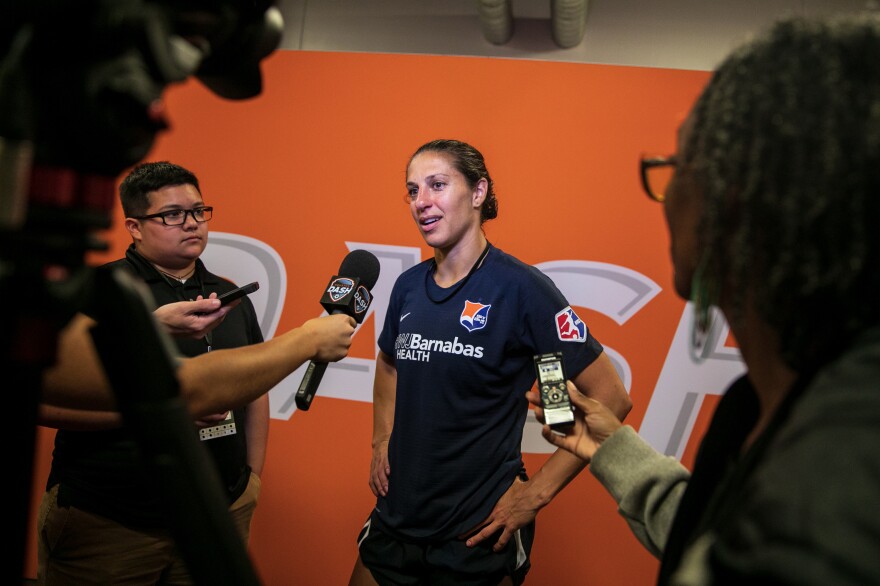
[311, 379]
[309, 385]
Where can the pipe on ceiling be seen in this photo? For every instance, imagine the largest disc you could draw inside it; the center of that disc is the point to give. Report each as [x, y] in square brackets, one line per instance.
[568, 20]
[496, 17]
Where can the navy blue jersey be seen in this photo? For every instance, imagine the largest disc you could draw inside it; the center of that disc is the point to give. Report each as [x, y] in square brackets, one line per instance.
[463, 366]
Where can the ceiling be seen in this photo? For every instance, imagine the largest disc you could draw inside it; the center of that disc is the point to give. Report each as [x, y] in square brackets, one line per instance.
[679, 34]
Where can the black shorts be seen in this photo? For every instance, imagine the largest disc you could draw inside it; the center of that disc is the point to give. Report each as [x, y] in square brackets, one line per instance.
[452, 563]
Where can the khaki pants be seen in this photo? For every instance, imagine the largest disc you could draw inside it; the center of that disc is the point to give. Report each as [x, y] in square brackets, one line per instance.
[75, 547]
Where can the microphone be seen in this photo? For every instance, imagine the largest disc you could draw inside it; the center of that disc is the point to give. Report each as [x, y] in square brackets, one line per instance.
[348, 293]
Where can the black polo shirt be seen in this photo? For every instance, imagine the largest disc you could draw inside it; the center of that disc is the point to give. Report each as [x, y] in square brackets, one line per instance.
[101, 471]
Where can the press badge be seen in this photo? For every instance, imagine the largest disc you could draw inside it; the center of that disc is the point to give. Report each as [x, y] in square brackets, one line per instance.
[221, 429]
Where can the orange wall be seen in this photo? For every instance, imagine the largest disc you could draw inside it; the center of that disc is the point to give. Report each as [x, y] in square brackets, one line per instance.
[319, 159]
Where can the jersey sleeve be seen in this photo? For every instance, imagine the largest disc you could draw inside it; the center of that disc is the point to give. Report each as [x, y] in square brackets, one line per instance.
[390, 327]
[551, 324]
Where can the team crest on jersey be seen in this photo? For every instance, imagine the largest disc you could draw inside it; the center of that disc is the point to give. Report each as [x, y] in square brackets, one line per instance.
[362, 299]
[569, 326]
[474, 316]
[339, 288]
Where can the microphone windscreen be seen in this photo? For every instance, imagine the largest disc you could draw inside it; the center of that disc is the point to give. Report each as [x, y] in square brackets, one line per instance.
[361, 264]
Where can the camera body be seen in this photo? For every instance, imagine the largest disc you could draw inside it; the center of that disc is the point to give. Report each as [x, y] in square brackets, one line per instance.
[558, 411]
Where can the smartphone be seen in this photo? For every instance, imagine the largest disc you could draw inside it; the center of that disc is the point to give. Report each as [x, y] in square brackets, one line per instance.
[558, 412]
[238, 293]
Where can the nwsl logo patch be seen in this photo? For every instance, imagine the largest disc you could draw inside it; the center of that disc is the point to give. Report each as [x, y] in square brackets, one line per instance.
[474, 316]
[569, 326]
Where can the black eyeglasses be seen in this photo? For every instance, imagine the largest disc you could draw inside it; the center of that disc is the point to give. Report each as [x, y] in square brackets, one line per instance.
[656, 173]
[178, 217]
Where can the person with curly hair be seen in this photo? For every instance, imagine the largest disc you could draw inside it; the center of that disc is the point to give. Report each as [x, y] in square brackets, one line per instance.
[771, 207]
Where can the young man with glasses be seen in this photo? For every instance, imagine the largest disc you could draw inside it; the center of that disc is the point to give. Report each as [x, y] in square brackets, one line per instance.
[101, 521]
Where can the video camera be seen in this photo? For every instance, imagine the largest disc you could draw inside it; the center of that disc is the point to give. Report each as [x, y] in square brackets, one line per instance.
[81, 86]
[81, 83]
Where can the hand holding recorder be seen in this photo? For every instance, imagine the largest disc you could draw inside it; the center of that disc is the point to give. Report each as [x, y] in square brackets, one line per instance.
[593, 424]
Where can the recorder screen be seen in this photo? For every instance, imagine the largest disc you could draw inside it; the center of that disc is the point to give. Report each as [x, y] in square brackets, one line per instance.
[550, 371]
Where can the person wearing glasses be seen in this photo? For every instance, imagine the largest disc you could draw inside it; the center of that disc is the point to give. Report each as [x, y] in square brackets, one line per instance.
[100, 519]
[454, 504]
[771, 201]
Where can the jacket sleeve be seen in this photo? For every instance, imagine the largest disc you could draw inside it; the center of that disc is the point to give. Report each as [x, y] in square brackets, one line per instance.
[646, 485]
